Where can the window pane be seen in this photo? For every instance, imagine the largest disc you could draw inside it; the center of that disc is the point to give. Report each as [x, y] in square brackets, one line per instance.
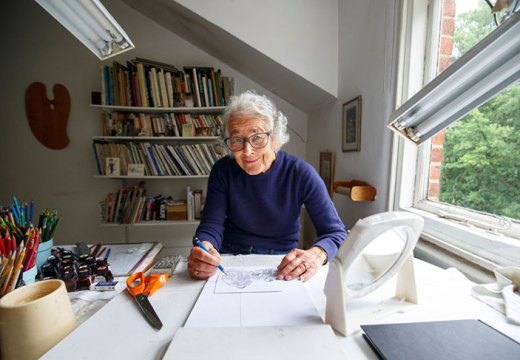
[475, 163]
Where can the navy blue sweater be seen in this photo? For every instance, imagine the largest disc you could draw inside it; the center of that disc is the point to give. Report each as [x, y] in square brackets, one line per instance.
[264, 210]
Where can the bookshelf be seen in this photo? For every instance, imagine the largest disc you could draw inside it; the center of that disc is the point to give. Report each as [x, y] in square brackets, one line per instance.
[155, 223]
[170, 144]
[158, 122]
[157, 160]
[186, 110]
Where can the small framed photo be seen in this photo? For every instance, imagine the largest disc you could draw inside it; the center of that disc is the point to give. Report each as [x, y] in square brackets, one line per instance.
[351, 119]
[327, 169]
[135, 169]
[113, 166]
[188, 130]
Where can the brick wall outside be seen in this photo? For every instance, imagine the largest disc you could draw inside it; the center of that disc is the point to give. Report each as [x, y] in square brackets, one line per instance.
[445, 52]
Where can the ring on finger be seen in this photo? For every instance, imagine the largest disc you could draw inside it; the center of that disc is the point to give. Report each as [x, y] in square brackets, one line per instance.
[196, 273]
[304, 267]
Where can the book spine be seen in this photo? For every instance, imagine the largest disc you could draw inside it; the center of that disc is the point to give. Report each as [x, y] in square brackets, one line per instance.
[153, 88]
[180, 165]
[141, 77]
[155, 164]
[97, 156]
[128, 89]
[197, 204]
[170, 89]
[196, 90]
[214, 87]
[189, 203]
[181, 158]
[162, 87]
[103, 87]
[204, 81]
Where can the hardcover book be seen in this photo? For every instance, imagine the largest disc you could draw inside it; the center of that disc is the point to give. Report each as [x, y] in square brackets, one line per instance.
[453, 339]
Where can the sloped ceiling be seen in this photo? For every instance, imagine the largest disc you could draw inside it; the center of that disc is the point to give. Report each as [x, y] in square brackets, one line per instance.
[235, 53]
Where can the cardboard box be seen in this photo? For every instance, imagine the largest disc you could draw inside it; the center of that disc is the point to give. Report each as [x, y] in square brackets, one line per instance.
[176, 210]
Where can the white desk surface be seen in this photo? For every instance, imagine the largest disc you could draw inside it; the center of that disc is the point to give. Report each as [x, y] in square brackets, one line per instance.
[119, 331]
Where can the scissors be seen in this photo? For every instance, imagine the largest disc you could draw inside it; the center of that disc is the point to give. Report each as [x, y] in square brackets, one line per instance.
[141, 287]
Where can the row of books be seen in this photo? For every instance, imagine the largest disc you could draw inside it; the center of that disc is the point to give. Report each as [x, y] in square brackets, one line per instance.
[149, 83]
[126, 206]
[167, 124]
[132, 205]
[155, 159]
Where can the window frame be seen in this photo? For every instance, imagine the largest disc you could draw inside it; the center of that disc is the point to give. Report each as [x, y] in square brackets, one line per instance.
[460, 234]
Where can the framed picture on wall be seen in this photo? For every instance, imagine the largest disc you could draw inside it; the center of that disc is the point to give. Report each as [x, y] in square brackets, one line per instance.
[327, 169]
[351, 119]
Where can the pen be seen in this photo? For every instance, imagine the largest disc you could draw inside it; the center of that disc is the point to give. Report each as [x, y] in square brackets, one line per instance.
[201, 245]
[101, 252]
[95, 250]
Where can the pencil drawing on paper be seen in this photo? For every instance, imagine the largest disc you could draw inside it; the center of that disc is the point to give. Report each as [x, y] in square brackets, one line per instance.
[241, 279]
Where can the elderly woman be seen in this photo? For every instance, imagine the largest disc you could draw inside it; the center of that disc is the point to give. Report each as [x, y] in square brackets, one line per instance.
[255, 196]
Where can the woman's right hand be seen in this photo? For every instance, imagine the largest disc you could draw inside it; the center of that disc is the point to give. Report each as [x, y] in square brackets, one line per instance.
[202, 265]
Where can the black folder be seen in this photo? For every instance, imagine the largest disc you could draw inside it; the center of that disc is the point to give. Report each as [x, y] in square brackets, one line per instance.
[452, 339]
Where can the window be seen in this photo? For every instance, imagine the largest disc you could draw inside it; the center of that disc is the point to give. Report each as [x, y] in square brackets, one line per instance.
[465, 179]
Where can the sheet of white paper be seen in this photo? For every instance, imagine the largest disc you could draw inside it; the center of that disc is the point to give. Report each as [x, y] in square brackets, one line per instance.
[258, 343]
[289, 306]
[248, 279]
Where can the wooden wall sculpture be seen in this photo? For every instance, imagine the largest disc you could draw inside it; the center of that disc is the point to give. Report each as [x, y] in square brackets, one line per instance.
[48, 118]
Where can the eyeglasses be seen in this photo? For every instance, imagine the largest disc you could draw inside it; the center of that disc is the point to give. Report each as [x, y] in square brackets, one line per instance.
[257, 141]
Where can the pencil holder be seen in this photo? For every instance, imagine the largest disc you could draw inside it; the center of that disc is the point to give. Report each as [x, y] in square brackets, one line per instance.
[34, 319]
[29, 276]
[44, 251]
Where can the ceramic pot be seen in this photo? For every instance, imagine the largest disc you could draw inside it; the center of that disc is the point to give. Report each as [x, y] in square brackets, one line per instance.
[34, 318]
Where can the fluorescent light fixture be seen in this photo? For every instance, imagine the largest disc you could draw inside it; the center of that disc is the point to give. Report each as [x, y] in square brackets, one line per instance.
[92, 24]
[488, 68]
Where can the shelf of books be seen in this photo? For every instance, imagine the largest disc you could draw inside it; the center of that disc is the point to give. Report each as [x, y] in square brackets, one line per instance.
[156, 223]
[158, 122]
[144, 83]
[141, 124]
[133, 206]
[149, 177]
[129, 159]
[157, 138]
[186, 110]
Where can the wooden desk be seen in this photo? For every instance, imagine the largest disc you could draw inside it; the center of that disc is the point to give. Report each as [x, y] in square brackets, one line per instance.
[119, 331]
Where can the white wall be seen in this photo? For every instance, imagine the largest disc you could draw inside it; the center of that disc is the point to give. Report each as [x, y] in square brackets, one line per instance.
[38, 49]
[302, 35]
[365, 48]
[365, 52]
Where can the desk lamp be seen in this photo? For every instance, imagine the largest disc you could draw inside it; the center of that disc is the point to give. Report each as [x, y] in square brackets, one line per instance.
[377, 248]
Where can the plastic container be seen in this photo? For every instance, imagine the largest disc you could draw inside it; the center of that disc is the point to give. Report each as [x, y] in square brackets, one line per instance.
[29, 276]
[44, 251]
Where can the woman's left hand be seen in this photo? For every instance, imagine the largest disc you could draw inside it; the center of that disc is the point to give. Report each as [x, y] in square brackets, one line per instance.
[302, 264]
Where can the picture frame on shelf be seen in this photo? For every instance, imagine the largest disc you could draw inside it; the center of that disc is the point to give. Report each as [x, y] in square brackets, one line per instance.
[135, 169]
[351, 121]
[113, 167]
[327, 169]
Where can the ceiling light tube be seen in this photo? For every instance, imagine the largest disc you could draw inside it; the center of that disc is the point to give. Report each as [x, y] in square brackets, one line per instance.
[92, 24]
[488, 68]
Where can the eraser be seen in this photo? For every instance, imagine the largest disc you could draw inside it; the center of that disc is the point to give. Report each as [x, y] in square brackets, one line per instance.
[104, 286]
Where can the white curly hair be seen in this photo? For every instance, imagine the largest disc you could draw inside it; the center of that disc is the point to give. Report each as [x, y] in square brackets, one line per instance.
[250, 103]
